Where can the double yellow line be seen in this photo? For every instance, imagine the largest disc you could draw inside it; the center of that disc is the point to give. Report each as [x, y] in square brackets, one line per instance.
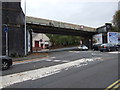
[114, 86]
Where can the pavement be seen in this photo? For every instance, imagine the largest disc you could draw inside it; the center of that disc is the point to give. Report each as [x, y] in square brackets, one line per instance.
[41, 54]
[57, 50]
[31, 56]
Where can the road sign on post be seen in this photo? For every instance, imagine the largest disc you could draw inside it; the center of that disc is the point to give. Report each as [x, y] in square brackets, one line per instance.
[6, 30]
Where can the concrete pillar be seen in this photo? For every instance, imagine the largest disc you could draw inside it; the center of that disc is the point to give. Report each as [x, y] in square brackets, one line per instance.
[31, 44]
[13, 16]
[105, 37]
[88, 42]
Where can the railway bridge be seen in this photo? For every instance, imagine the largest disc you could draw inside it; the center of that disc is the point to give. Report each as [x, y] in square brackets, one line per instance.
[21, 26]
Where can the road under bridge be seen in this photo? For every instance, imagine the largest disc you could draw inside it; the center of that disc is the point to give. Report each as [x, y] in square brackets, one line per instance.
[20, 26]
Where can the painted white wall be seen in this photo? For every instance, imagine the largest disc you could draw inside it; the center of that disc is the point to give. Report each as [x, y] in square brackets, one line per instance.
[37, 37]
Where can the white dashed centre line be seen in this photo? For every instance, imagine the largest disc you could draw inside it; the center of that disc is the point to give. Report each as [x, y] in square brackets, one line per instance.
[57, 60]
[114, 52]
[48, 60]
[52, 57]
[65, 61]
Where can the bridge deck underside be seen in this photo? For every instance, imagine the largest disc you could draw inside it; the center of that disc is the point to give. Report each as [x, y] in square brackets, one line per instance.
[57, 30]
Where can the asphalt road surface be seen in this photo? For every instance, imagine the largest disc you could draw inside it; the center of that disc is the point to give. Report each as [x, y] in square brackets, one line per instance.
[95, 74]
[53, 58]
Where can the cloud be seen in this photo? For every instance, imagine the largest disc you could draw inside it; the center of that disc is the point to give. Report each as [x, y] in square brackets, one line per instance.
[86, 12]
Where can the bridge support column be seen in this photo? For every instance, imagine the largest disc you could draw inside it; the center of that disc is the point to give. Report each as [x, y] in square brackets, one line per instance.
[88, 42]
[0, 28]
[31, 50]
[29, 41]
[14, 18]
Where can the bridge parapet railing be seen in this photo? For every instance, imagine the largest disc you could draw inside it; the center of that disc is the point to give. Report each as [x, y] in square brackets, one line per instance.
[53, 23]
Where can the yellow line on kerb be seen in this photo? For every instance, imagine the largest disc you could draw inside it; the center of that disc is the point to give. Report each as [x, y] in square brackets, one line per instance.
[116, 86]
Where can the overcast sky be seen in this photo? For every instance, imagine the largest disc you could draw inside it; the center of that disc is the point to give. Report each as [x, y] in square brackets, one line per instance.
[93, 13]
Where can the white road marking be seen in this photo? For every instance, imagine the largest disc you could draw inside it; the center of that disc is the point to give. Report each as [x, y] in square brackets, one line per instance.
[75, 51]
[48, 60]
[65, 61]
[79, 51]
[56, 60]
[52, 57]
[116, 52]
[42, 72]
[95, 54]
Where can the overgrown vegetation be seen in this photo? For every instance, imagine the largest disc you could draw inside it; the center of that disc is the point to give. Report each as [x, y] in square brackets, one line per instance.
[64, 40]
[16, 55]
[116, 21]
[115, 29]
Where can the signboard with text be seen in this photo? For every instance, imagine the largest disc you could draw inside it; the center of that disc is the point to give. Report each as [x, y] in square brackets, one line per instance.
[113, 37]
[97, 39]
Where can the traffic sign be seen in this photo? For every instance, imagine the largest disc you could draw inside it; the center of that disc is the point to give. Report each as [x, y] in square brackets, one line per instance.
[6, 28]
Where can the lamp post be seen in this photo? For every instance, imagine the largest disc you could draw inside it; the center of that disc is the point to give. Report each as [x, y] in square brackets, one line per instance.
[25, 31]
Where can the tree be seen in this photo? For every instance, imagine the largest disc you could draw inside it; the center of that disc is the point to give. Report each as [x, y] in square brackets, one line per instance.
[64, 40]
[116, 20]
[114, 29]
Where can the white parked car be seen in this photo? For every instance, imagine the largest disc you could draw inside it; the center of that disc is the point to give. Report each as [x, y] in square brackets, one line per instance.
[83, 47]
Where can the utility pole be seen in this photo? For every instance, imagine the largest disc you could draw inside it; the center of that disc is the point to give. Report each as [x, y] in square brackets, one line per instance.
[6, 43]
[25, 30]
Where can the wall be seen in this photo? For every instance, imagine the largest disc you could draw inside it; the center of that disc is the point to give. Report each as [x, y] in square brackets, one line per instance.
[0, 28]
[14, 18]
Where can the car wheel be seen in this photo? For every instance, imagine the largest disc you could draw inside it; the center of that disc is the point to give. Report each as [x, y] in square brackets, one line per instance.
[5, 65]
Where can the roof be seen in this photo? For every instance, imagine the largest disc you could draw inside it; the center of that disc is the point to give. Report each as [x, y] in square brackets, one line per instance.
[37, 36]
